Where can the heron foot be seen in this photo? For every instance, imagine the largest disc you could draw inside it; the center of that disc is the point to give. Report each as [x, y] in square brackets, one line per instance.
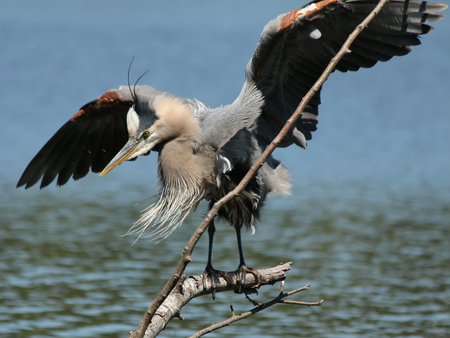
[213, 274]
[242, 270]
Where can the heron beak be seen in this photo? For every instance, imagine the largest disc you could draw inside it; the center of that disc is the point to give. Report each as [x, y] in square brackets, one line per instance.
[129, 149]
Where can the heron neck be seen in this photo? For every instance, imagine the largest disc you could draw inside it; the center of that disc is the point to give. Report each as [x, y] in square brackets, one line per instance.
[177, 165]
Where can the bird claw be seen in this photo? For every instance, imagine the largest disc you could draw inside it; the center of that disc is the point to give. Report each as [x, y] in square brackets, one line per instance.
[212, 274]
[242, 270]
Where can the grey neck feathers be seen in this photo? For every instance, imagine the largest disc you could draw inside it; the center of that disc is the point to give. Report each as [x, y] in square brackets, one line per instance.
[180, 191]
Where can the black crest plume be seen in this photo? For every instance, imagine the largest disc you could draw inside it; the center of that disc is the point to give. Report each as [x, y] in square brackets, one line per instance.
[133, 92]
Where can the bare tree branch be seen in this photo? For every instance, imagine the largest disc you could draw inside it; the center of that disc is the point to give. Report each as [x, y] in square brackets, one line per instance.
[186, 255]
[195, 286]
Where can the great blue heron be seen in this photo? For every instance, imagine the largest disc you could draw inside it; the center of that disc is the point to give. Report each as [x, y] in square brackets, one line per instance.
[204, 152]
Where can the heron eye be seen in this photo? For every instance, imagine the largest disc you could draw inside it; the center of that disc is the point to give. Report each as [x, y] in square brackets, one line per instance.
[145, 134]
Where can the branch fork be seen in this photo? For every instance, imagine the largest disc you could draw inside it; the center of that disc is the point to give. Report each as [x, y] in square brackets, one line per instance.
[258, 307]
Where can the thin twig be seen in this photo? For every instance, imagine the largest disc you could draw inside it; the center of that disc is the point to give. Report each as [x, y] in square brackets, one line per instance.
[294, 302]
[186, 255]
[277, 300]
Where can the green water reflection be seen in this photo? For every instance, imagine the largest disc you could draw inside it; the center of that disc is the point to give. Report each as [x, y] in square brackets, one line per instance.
[379, 256]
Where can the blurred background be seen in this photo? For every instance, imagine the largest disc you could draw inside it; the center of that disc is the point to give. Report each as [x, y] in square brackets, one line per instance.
[367, 222]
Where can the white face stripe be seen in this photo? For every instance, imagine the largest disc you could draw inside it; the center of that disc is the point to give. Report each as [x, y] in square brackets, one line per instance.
[132, 122]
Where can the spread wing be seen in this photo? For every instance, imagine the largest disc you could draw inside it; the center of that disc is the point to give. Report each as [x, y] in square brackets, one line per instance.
[295, 48]
[89, 140]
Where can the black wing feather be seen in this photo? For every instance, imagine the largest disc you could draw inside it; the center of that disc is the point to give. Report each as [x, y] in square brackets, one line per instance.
[295, 49]
[88, 141]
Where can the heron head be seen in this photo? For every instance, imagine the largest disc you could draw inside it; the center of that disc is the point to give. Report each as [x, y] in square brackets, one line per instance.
[152, 121]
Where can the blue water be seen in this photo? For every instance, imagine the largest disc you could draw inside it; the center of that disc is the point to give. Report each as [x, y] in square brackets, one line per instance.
[367, 222]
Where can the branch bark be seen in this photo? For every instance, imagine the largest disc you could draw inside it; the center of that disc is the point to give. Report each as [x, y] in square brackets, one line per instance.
[195, 286]
[186, 255]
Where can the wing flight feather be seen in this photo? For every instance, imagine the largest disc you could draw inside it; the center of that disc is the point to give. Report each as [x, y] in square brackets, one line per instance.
[295, 48]
[89, 140]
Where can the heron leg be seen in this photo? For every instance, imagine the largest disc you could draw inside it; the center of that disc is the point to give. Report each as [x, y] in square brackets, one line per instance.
[210, 272]
[211, 232]
[243, 268]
